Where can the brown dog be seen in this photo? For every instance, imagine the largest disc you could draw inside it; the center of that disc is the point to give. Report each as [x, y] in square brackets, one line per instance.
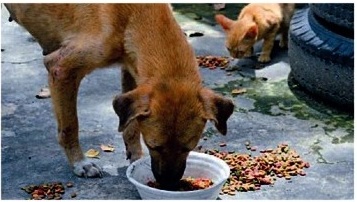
[162, 93]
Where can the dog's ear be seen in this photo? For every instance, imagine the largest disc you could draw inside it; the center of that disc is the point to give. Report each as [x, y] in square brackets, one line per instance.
[218, 109]
[131, 105]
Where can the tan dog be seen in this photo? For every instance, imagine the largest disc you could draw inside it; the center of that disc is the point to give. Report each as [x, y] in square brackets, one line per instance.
[162, 93]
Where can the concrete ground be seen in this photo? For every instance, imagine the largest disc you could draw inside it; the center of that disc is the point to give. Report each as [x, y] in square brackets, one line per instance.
[272, 111]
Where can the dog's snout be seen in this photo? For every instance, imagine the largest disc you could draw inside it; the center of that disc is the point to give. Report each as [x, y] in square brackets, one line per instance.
[168, 175]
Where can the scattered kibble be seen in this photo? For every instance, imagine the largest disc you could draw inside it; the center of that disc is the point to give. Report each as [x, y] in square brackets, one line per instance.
[46, 191]
[248, 173]
[199, 147]
[254, 148]
[69, 184]
[74, 195]
[212, 62]
[222, 144]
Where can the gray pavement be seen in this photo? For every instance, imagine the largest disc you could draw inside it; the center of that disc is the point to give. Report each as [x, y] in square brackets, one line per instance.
[271, 112]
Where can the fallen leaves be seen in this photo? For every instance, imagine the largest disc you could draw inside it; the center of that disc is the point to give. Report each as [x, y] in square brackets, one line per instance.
[107, 148]
[44, 93]
[93, 153]
[238, 91]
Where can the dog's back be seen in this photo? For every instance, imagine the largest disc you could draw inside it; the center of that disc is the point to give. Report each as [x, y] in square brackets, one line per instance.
[53, 24]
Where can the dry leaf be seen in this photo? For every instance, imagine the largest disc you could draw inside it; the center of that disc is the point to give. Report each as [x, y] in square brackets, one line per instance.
[239, 91]
[107, 148]
[92, 153]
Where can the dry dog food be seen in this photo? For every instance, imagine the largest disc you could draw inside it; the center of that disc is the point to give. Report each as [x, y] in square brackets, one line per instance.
[46, 191]
[187, 184]
[212, 62]
[248, 173]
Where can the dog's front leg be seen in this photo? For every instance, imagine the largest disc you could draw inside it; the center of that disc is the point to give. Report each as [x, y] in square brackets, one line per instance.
[64, 83]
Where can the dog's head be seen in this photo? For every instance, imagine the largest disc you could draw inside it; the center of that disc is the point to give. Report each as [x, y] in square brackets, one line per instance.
[171, 121]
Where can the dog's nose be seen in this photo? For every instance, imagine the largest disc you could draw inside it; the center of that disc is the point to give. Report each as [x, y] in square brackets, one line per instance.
[168, 175]
[168, 182]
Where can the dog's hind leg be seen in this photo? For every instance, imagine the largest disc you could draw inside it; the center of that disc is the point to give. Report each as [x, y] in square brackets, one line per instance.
[64, 76]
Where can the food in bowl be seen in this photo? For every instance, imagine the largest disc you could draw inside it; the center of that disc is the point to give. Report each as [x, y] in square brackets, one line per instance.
[187, 184]
[198, 165]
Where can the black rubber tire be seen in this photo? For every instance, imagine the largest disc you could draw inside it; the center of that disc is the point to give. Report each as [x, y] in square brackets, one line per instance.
[321, 61]
[336, 13]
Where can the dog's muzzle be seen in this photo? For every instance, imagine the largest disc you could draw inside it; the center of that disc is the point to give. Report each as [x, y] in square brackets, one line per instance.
[168, 174]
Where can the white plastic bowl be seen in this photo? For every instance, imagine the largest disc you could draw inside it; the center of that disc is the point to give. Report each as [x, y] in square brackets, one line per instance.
[198, 165]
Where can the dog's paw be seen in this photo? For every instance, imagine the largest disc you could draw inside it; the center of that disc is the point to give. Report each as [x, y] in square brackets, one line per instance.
[85, 168]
